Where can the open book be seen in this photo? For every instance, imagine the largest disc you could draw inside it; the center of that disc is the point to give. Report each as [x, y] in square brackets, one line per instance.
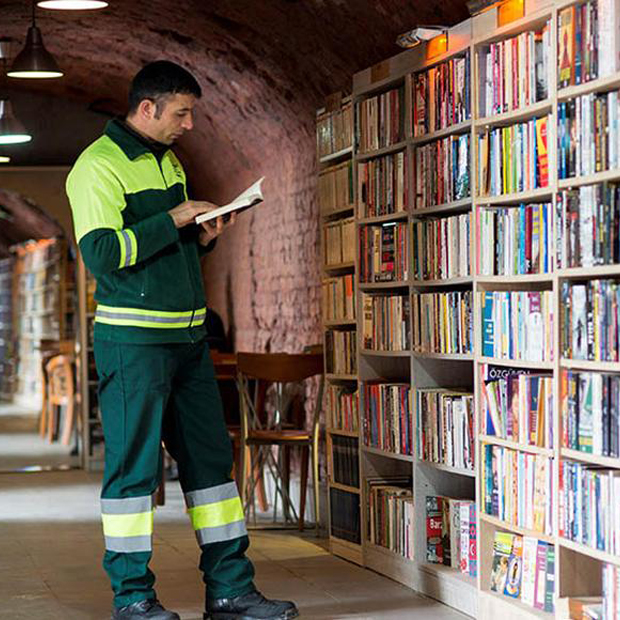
[252, 196]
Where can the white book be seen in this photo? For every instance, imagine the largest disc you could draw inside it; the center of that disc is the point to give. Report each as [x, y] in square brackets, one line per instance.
[250, 197]
[608, 23]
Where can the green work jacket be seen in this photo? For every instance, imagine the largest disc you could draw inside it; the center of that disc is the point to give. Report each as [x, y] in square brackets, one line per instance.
[149, 282]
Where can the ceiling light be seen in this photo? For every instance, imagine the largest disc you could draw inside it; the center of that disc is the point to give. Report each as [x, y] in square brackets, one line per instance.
[72, 5]
[4, 159]
[34, 61]
[11, 129]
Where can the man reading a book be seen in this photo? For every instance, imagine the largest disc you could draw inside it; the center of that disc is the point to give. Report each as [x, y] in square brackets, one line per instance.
[136, 233]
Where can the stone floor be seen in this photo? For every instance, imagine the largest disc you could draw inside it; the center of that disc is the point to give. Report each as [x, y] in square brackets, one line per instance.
[50, 561]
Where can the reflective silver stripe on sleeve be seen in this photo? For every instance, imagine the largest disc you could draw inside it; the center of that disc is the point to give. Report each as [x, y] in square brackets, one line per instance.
[211, 495]
[132, 544]
[127, 241]
[127, 506]
[223, 532]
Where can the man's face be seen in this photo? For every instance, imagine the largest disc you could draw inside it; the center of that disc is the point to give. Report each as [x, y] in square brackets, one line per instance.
[171, 117]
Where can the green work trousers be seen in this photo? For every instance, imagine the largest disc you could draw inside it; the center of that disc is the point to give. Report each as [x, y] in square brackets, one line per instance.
[149, 393]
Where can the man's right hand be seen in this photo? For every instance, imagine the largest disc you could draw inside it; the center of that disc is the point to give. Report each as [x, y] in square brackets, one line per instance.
[187, 211]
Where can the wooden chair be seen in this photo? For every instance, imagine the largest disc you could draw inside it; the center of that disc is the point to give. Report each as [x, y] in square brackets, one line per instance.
[260, 432]
[60, 393]
[49, 349]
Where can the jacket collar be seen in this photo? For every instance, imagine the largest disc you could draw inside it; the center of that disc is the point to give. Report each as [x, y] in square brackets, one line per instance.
[129, 142]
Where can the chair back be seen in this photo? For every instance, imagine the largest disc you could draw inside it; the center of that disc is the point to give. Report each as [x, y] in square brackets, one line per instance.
[60, 380]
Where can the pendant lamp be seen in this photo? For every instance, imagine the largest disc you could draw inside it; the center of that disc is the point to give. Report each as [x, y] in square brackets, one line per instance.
[34, 61]
[72, 5]
[11, 130]
[4, 159]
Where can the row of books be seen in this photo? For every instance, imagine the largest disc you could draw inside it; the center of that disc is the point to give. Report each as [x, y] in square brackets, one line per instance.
[445, 422]
[343, 408]
[386, 424]
[588, 134]
[442, 95]
[588, 222]
[517, 325]
[442, 322]
[452, 533]
[590, 320]
[442, 247]
[390, 514]
[336, 188]
[590, 506]
[345, 515]
[514, 72]
[442, 171]
[382, 185]
[611, 592]
[345, 461]
[386, 322]
[341, 352]
[517, 405]
[339, 242]
[516, 240]
[334, 130]
[590, 409]
[518, 488]
[523, 568]
[384, 252]
[380, 120]
[339, 298]
[513, 159]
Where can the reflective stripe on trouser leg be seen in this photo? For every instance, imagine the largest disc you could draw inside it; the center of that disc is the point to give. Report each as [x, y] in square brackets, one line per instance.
[216, 513]
[128, 524]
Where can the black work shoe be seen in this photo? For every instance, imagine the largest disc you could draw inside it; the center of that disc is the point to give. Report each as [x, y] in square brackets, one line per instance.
[252, 606]
[150, 609]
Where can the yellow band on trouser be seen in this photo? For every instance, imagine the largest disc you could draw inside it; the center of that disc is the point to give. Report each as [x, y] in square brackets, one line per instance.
[127, 524]
[136, 317]
[216, 513]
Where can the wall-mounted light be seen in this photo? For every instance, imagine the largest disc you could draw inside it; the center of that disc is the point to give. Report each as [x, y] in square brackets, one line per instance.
[413, 37]
[34, 61]
[72, 5]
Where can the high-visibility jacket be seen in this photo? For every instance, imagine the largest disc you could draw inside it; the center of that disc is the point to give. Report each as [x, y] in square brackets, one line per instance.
[149, 283]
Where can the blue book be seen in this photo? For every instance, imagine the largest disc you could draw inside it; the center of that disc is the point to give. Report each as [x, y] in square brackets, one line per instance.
[488, 327]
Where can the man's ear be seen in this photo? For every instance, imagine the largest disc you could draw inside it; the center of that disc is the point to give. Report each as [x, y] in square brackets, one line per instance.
[146, 109]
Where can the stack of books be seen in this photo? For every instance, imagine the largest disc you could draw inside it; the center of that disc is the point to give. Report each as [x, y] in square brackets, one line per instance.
[382, 185]
[343, 408]
[336, 188]
[345, 515]
[386, 322]
[340, 352]
[611, 591]
[338, 299]
[380, 120]
[345, 463]
[339, 242]
[335, 130]
[384, 252]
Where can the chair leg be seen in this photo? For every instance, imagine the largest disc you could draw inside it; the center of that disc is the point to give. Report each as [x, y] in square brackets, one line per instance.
[51, 421]
[69, 422]
[244, 463]
[286, 475]
[315, 481]
[305, 457]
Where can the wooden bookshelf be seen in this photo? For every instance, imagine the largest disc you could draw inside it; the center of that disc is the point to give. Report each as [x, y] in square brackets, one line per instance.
[437, 370]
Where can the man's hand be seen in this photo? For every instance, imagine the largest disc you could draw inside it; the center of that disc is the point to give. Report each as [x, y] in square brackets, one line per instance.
[213, 229]
[187, 211]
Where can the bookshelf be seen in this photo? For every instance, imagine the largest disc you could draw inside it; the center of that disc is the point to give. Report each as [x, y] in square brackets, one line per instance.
[533, 272]
[7, 369]
[335, 184]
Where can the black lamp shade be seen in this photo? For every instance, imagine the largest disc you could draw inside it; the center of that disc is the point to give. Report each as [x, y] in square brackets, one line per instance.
[11, 129]
[34, 61]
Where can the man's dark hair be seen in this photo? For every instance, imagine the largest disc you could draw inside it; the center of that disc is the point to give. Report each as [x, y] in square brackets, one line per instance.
[160, 79]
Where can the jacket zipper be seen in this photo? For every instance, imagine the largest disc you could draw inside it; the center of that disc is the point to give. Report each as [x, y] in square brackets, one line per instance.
[191, 321]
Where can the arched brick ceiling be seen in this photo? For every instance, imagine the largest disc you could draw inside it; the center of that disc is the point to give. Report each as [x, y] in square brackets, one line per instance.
[265, 66]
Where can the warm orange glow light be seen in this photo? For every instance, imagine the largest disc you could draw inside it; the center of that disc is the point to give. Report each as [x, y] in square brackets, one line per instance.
[510, 11]
[437, 46]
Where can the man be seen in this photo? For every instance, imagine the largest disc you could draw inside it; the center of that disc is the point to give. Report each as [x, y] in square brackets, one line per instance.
[136, 232]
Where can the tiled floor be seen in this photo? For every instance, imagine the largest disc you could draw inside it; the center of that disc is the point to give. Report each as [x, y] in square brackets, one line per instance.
[50, 561]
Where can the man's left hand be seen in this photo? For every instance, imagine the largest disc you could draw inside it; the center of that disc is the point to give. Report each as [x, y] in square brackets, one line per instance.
[213, 229]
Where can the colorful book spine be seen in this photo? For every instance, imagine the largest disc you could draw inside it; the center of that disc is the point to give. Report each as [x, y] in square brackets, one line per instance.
[442, 322]
[518, 488]
[445, 423]
[517, 325]
[386, 322]
[515, 240]
[380, 120]
[517, 405]
[441, 248]
[590, 506]
[384, 252]
[387, 417]
[442, 171]
[339, 299]
[441, 96]
[343, 408]
[382, 185]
